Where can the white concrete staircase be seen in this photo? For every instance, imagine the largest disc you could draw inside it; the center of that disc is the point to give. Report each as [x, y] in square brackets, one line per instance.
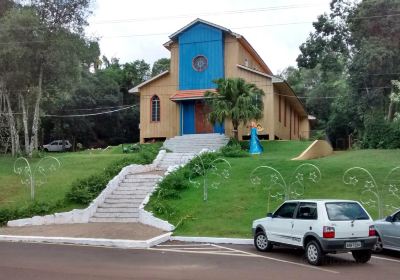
[171, 159]
[194, 143]
[122, 205]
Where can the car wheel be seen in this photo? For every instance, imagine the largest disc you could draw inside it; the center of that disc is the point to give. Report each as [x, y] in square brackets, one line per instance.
[46, 150]
[362, 256]
[378, 248]
[261, 242]
[314, 253]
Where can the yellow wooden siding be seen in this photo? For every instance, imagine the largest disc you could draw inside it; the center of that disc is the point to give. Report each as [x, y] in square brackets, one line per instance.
[294, 119]
[231, 56]
[251, 60]
[164, 88]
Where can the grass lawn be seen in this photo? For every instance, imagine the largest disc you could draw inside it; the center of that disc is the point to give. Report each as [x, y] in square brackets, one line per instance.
[231, 207]
[74, 165]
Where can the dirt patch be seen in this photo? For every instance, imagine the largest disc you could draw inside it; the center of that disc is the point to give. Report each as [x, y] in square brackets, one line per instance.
[130, 231]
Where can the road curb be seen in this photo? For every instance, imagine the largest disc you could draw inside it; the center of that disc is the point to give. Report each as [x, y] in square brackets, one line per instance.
[215, 240]
[112, 243]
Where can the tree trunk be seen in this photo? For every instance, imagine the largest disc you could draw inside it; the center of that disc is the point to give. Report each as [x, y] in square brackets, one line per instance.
[391, 111]
[235, 130]
[35, 122]
[15, 148]
[25, 122]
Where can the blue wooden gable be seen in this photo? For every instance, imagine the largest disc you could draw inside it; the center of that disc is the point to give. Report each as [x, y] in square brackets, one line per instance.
[205, 40]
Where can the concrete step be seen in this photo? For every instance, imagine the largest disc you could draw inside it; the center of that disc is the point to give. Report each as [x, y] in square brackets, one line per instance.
[134, 188]
[127, 196]
[120, 205]
[135, 185]
[113, 220]
[116, 215]
[118, 210]
[130, 192]
[143, 177]
[139, 183]
[122, 200]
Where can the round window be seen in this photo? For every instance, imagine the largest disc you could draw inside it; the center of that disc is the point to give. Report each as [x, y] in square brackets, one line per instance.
[200, 63]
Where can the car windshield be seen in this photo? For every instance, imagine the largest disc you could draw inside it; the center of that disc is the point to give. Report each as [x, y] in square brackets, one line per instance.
[345, 211]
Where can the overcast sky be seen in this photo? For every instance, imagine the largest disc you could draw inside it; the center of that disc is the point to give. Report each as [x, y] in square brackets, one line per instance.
[131, 30]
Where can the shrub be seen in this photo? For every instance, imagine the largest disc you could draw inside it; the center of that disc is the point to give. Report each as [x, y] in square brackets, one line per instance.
[172, 185]
[84, 190]
[202, 162]
[234, 151]
[244, 145]
[32, 209]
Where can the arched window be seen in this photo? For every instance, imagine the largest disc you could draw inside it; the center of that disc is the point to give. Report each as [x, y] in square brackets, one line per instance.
[155, 109]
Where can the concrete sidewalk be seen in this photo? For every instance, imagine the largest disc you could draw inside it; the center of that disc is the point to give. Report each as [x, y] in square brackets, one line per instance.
[131, 231]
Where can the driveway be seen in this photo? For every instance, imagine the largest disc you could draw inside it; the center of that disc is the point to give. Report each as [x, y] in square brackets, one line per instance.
[181, 261]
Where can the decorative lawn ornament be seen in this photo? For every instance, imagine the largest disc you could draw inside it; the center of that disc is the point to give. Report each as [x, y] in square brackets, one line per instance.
[276, 186]
[38, 176]
[219, 168]
[385, 199]
[255, 145]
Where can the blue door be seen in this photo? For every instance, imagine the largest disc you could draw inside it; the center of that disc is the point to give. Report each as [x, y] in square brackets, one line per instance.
[187, 117]
[219, 128]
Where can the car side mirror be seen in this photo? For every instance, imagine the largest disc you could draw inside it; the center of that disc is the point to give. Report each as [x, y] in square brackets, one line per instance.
[389, 219]
[269, 215]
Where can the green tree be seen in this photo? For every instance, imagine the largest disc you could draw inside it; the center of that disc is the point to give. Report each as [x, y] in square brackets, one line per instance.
[42, 57]
[375, 35]
[236, 100]
[160, 66]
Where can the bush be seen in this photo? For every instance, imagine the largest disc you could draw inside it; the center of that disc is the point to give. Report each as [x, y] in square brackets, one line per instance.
[30, 210]
[234, 151]
[244, 145]
[203, 161]
[84, 190]
[172, 185]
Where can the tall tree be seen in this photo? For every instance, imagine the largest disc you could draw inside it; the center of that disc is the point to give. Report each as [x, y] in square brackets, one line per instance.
[160, 66]
[375, 30]
[235, 100]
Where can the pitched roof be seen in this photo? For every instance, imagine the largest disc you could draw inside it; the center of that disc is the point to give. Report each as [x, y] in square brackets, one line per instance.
[240, 38]
[136, 88]
[190, 94]
[199, 20]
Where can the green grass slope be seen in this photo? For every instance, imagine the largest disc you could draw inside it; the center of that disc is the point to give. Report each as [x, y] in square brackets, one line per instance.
[236, 202]
[74, 165]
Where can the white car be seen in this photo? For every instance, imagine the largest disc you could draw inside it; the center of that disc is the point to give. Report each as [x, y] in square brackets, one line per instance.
[319, 227]
[57, 146]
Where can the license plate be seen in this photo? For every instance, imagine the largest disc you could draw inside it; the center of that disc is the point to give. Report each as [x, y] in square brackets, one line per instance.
[352, 245]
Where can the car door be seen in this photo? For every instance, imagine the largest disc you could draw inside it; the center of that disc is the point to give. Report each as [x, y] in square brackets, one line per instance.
[305, 219]
[391, 232]
[280, 227]
[53, 146]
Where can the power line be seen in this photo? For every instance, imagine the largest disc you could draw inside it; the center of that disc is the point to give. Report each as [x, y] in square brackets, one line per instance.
[242, 11]
[159, 34]
[88, 115]
[254, 10]
[98, 108]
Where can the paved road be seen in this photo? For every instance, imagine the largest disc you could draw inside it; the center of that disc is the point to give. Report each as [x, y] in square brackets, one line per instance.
[181, 261]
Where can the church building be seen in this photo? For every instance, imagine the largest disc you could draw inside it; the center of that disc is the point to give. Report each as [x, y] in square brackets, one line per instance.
[173, 103]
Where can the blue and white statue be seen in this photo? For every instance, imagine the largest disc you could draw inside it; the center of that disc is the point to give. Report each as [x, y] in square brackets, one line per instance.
[255, 145]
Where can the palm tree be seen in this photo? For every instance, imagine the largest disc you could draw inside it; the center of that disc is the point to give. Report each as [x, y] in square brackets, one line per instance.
[236, 100]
